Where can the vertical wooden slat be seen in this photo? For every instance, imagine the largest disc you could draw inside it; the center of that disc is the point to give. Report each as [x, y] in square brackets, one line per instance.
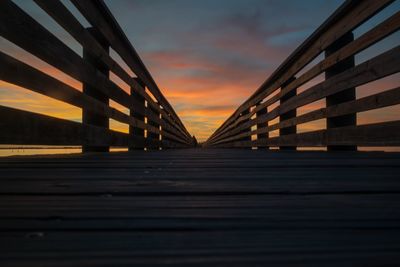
[165, 137]
[346, 18]
[195, 143]
[88, 116]
[343, 96]
[137, 113]
[162, 146]
[97, 13]
[262, 125]
[288, 115]
[246, 130]
[155, 137]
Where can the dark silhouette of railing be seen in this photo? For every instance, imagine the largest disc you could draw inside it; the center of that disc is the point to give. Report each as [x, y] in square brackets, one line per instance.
[278, 96]
[198, 207]
[149, 109]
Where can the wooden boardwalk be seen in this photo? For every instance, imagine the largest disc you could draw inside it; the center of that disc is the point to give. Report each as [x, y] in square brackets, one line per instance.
[201, 207]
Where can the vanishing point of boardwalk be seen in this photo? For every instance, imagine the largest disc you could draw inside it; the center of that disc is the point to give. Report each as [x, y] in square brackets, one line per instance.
[245, 197]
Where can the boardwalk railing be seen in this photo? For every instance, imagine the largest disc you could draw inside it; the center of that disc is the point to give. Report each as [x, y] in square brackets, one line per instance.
[278, 97]
[149, 110]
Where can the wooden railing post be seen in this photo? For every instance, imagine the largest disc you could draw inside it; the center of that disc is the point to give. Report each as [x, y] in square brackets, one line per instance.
[343, 96]
[263, 136]
[161, 129]
[89, 117]
[288, 115]
[136, 113]
[246, 130]
[154, 137]
[164, 138]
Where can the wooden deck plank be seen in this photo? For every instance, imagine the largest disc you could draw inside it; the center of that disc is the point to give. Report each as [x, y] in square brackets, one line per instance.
[276, 248]
[374, 180]
[201, 208]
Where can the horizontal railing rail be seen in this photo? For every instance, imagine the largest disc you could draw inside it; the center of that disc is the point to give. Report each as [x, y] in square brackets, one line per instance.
[274, 106]
[152, 121]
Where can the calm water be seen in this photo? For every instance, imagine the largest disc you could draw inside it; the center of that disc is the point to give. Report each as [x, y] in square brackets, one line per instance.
[13, 150]
[18, 150]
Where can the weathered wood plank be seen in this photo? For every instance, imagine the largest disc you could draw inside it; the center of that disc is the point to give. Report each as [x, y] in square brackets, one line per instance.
[21, 74]
[66, 19]
[89, 117]
[288, 115]
[98, 15]
[22, 127]
[346, 18]
[21, 29]
[200, 207]
[346, 95]
[203, 248]
[83, 181]
[222, 213]
[379, 134]
[27, 128]
[371, 70]
[24, 31]
[380, 100]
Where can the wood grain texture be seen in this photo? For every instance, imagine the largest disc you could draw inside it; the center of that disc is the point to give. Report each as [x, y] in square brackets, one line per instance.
[21, 74]
[27, 128]
[67, 20]
[376, 68]
[349, 16]
[99, 16]
[384, 99]
[21, 29]
[368, 135]
[204, 207]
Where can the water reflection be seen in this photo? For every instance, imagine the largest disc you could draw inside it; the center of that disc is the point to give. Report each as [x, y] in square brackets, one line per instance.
[18, 150]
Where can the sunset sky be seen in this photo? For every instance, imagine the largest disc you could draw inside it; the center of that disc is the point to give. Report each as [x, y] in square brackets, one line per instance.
[209, 56]
[206, 56]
